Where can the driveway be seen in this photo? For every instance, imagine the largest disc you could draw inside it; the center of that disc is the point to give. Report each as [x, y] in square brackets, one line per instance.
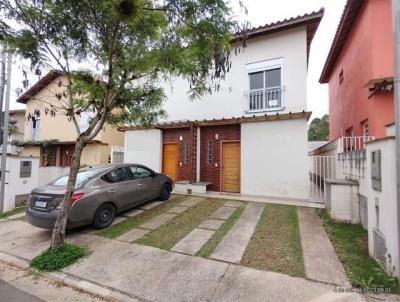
[149, 273]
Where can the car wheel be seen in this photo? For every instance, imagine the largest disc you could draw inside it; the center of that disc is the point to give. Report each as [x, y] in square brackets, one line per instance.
[104, 216]
[165, 192]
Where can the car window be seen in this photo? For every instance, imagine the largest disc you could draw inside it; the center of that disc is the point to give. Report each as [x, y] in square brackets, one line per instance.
[83, 176]
[117, 175]
[140, 172]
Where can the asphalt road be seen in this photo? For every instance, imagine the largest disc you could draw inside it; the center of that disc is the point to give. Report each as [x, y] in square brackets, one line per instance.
[10, 293]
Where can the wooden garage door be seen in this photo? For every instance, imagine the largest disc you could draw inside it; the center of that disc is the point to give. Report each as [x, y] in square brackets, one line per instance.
[170, 160]
[230, 166]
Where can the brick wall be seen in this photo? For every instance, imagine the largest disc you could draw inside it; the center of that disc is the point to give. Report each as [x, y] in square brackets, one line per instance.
[208, 171]
[184, 169]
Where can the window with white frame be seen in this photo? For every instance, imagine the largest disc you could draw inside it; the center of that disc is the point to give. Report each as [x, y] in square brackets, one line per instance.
[365, 126]
[264, 85]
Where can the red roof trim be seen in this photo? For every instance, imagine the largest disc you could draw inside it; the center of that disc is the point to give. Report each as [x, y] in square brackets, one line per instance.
[349, 16]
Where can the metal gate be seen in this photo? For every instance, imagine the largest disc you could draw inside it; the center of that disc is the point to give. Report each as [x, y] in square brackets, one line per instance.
[321, 168]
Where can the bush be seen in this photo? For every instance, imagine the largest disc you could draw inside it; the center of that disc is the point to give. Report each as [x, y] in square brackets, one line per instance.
[56, 259]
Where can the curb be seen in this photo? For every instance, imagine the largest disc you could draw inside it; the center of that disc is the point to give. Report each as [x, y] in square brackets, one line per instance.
[71, 281]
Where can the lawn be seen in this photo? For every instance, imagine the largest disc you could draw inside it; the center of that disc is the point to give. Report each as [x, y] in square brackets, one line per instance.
[12, 212]
[351, 244]
[167, 235]
[275, 244]
[212, 243]
[133, 222]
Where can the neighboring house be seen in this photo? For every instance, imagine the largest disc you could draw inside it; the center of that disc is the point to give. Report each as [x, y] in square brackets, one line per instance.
[17, 118]
[355, 172]
[52, 138]
[250, 137]
[359, 71]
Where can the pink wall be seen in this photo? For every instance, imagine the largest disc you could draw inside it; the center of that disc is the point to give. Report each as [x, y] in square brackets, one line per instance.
[367, 55]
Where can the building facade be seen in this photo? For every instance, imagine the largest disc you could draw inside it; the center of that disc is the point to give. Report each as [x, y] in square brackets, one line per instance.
[52, 137]
[250, 137]
[359, 71]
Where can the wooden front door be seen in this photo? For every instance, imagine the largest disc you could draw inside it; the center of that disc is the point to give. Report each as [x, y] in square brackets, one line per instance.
[169, 160]
[230, 167]
[66, 155]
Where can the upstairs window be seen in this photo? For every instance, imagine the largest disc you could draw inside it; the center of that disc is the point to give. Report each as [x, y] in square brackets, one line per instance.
[265, 86]
[365, 127]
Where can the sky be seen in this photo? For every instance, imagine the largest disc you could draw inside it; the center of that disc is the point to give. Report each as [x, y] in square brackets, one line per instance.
[261, 12]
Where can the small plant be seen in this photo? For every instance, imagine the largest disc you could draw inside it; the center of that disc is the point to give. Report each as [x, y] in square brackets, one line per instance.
[54, 259]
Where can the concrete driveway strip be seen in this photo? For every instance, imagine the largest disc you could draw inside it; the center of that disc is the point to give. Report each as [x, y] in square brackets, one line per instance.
[193, 241]
[150, 273]
[157, 221]
[233, 245]
[320, 260]
[133, 235]
[251, 285]
[223, 213]
[191, 201]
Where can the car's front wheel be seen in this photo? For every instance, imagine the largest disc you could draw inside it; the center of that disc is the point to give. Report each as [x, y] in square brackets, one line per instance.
[165, 192]
[104, 216]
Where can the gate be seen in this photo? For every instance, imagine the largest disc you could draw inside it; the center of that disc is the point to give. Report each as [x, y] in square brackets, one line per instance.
[321, 168]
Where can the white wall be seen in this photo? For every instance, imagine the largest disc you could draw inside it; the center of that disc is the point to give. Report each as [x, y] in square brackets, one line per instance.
[274, 159]
[386, 200]
[144, 147]
[16, 185]
[49, 174]
[230, 101]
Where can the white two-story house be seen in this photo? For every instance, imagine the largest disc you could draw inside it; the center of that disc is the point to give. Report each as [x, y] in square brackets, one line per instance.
[251, 136]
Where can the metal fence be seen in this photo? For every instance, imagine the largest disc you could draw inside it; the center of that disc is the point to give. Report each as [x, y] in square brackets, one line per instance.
[321, 168]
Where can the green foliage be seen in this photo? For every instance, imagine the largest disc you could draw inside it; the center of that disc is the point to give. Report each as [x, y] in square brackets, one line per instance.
[12, 212]
[319, 129]
[133, 46]
[351, 245]
[54, 259]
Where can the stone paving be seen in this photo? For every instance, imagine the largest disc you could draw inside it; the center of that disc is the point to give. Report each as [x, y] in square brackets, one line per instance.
[223, 213]
[193, 242]
[320, 260]
[233, 245]
[211, 224]
[157, 221]
[133, 235]
[132, 213]
[177, 210]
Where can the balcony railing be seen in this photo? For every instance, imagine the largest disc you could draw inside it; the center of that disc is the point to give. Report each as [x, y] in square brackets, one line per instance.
[353, 143]
[265, 99]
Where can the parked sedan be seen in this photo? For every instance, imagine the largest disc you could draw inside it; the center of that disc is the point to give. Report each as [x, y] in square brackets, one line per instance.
[101, 192]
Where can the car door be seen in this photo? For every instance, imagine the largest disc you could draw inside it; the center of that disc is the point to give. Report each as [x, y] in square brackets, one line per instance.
[147, 184]
[121, 187]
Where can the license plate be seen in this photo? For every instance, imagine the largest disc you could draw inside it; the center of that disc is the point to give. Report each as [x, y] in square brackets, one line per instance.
[41, 204]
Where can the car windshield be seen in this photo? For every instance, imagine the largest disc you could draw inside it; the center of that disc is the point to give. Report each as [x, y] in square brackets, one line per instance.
[82, 177]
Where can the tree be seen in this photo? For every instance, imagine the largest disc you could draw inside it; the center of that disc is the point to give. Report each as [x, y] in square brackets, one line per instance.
[136, 43]
[319, 129]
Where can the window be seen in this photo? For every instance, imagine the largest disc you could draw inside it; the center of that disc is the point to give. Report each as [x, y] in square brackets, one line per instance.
[140, 172]
[365, 127]
[83, 176]
[85, 119]
[209, 152]
[265, 85]
[117, 175]
[35, 126]
[185, 153]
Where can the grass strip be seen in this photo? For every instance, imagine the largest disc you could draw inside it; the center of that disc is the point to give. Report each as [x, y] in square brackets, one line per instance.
[167, 235]
[12, 212]
[212, 243]
[128, 224]
[351, 245]
[276, 244]
[56, 259]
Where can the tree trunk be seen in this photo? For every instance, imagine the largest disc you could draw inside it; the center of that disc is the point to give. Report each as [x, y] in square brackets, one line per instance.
[57, 239]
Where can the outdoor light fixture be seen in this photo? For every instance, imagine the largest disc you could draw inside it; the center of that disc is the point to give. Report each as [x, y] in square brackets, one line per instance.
[216, 136]
[181, 138]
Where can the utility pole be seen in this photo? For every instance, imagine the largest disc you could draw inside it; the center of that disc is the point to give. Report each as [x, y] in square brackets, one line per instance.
[2, 84]
[5, 134]
[396, 86]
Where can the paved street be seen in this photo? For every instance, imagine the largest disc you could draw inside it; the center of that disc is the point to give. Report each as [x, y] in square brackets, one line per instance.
[12, 294]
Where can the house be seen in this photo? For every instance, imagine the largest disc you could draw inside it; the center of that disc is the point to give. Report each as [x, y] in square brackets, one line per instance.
[250, 137]
[359, 71]
[52, 137]
[355, 172]
[17, 120]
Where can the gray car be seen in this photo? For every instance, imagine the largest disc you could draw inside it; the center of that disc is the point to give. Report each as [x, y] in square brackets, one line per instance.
[101, 192]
